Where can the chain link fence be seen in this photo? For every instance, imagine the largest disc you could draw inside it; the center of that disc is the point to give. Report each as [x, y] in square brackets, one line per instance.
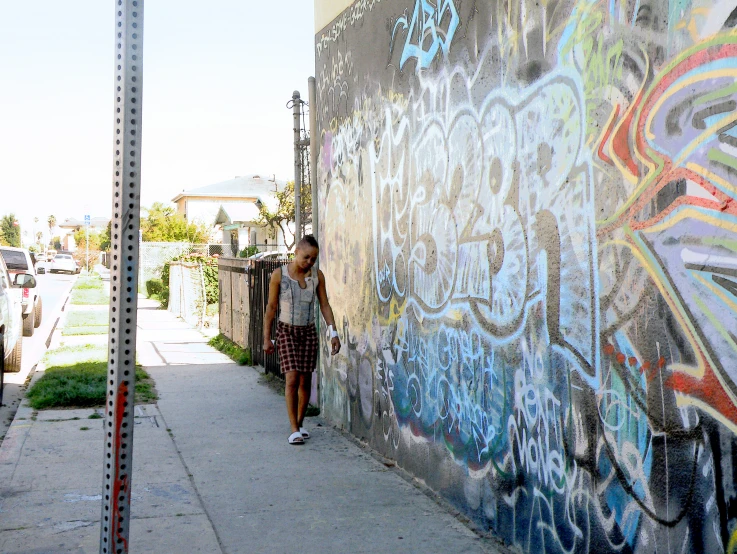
[153, 256]
[187, 297]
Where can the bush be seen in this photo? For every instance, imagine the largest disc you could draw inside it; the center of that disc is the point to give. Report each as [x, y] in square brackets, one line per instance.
[248, 251]
[209, 268]
[154, 287]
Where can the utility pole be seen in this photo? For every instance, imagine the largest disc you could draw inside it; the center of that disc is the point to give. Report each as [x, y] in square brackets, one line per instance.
[314, 152]
[125, 225]
[296, 107]
[87, 241]
[314, 146]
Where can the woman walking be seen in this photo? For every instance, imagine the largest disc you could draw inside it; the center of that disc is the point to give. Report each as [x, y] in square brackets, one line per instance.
[293, 288]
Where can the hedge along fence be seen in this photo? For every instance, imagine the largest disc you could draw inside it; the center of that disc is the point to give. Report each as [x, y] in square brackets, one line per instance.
[188, 285]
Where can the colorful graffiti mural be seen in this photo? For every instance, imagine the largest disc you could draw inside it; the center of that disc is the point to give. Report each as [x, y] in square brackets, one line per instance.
[530, 233]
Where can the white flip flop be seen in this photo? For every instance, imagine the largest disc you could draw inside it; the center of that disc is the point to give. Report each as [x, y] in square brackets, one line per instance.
[296, 438]
[305, 433]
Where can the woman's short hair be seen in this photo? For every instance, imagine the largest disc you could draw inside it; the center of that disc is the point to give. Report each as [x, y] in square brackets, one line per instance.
[308, 240]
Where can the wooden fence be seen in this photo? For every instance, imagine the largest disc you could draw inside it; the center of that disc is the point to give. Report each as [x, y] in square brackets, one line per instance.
[244, 290]
[234, 300]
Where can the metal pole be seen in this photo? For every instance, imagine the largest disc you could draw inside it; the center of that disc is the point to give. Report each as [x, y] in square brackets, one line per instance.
[118, 458]
[87, 245]
[314, 153]
[296, 106]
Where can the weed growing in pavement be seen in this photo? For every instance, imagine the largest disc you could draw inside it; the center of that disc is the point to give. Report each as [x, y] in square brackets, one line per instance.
[273, 382]
[82, 385]
[232, 350]
[95, 416]
[84, 428]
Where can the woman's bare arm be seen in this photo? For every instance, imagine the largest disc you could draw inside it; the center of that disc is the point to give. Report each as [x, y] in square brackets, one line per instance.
[327, 311]
[271, 307]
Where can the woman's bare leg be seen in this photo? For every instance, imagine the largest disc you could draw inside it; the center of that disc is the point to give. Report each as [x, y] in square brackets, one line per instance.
[305, 390]
[291, 393]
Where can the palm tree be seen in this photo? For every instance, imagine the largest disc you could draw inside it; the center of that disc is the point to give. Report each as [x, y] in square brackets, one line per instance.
[52, 223]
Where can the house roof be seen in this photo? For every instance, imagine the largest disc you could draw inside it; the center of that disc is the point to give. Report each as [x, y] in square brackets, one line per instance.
[72, 223]
[251, 186]
[241, 212]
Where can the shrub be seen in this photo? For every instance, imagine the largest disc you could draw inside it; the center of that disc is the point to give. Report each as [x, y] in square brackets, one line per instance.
[209, 268]
[154, 287]
[248, 251]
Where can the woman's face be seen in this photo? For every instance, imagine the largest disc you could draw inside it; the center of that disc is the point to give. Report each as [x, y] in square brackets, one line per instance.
[306, 256]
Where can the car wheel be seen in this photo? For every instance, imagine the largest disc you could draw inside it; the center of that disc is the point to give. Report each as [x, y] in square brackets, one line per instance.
[39, 313]
[15, 357]
[29, 321]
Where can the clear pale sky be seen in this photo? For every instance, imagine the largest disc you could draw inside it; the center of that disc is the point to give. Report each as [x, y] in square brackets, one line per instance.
[217, 76]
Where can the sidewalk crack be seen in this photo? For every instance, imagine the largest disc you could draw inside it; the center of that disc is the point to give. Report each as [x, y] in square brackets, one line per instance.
[194, 485]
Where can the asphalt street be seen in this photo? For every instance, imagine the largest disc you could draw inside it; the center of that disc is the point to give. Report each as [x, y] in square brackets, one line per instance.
[54, 290]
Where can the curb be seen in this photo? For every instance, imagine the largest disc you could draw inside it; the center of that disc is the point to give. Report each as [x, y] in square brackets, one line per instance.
[12, 443]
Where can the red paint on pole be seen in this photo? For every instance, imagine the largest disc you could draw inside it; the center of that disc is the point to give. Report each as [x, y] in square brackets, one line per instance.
[121, 484]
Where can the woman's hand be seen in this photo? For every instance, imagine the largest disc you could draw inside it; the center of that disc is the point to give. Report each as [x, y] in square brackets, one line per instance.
[269, 346]
[335, 343]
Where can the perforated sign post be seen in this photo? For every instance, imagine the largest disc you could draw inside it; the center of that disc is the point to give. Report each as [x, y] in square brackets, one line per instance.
[118, 460]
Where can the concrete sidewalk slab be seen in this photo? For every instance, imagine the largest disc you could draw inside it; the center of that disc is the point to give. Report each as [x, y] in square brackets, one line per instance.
[51, 482]
[212, 471]
[264, 495]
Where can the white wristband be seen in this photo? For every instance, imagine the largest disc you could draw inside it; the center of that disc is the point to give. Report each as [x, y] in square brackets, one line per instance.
[332, 333]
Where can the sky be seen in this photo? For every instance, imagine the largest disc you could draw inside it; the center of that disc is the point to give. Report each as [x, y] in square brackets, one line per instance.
[217, 77]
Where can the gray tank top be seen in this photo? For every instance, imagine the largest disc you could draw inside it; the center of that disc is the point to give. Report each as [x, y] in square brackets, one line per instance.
[296, 304]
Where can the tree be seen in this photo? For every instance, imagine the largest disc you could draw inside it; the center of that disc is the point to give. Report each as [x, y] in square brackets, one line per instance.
[10, 230]
[163, 224]
[105, 237]
[283, 215]
[52, 223]
[39, 236]
[80, 238]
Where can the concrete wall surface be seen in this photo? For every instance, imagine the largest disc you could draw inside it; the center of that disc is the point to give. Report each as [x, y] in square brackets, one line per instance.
[530, 242]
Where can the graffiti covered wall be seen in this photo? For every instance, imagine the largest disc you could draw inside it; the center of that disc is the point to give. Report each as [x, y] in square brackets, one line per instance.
[530, 238]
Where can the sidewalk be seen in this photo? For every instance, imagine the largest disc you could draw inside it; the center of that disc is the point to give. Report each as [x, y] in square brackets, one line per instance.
[212, 471]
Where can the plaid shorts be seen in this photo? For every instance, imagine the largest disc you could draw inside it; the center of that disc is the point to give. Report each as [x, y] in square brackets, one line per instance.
[297, 347]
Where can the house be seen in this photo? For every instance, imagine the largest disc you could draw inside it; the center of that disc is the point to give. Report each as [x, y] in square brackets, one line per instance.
[239, 228]
[230, 209]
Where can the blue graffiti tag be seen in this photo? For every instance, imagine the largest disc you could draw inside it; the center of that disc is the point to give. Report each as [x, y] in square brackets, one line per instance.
[431, 29]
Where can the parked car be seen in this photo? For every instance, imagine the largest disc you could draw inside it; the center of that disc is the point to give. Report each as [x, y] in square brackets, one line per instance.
[36, 258]
[269, 255]
[11, 320]
[20, 261]
[64, 263]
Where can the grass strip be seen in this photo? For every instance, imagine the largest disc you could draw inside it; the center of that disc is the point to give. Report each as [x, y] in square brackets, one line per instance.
[86, 322]
[91, 282]
[87, 297]
[82, 385]
[78, 331]
[232, 350]
[71, 355]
